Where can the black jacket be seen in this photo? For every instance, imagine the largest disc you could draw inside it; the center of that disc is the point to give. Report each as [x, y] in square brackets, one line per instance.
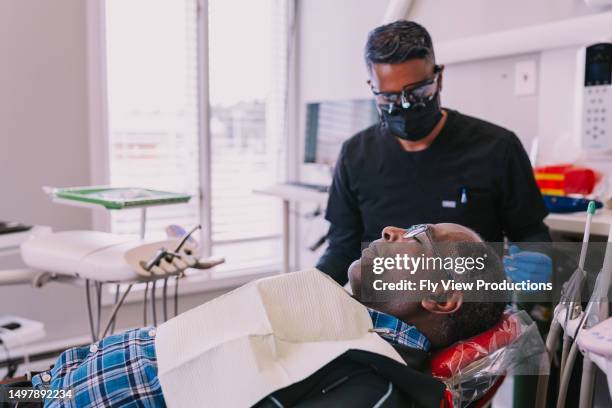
[362, 379]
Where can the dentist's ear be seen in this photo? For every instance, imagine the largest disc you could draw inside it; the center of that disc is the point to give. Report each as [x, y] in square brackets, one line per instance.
[443, 303]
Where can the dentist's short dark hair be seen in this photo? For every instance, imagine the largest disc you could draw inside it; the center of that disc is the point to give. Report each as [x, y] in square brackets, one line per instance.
[398, 42]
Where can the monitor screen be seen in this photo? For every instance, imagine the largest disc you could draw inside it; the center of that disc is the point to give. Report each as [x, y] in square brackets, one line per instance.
[329, 124]
[598, 73]
[598, 65]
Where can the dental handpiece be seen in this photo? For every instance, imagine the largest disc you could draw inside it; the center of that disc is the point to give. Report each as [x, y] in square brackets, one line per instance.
[573, 309]
[598, 298]
[186, 237]
[555, 327]
[159, 255]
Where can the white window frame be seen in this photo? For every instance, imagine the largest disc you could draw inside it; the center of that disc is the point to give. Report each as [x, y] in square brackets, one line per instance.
[99, 135]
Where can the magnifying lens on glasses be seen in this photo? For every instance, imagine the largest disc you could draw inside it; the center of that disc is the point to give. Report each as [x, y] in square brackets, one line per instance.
[413, 96]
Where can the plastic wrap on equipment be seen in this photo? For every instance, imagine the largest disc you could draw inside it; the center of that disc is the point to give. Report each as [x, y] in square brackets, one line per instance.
[472, 367]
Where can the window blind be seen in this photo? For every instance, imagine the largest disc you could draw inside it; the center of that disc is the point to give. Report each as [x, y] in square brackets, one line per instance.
[152, 74]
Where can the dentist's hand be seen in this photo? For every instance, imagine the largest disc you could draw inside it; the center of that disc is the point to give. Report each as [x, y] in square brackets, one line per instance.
[527, 265]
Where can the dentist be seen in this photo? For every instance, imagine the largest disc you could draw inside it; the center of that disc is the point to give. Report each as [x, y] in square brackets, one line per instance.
[423, 163]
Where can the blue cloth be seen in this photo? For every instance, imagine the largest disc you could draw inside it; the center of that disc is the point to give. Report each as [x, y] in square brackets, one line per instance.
[395, 331]
[527, 265]
[118, 371]
[121, 370]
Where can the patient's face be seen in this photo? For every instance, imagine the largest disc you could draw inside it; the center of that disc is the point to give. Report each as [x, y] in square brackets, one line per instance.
[399, 306]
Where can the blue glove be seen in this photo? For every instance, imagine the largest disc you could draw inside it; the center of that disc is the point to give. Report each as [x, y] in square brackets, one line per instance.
[527, 265]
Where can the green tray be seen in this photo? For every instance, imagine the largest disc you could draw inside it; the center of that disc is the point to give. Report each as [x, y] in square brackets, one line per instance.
[120, 198]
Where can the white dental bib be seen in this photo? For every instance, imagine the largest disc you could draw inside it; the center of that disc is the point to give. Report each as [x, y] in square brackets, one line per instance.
[236, 349]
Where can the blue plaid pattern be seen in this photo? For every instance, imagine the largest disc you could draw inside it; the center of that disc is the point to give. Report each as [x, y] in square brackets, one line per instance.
[118, 371]
[395, 331]
[121, 370]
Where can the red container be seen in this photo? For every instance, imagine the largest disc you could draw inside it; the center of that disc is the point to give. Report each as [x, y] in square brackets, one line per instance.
[565, 179]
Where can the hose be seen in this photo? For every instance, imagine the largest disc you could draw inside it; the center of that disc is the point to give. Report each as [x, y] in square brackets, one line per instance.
[551, 346]
[176, 284]
[116, 308]
[98, 286]
[570, 309]
[586, 383]
[144, 317]
[165, 299]
[566, 346]
[567, 374]
[117, 287]
[90, 311]
[153, 306]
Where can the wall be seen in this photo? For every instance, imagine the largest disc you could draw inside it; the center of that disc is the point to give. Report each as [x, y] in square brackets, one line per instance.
[43, 109]
[448, 19]
[332, 33]
[330, 66]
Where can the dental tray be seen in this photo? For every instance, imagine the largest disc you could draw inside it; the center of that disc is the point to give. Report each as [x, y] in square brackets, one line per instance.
[119, 198]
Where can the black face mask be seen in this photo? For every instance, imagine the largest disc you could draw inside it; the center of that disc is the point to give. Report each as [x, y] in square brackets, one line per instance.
[413, 123]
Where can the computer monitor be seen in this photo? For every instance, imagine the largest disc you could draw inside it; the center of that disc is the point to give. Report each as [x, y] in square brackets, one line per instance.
[329, 124]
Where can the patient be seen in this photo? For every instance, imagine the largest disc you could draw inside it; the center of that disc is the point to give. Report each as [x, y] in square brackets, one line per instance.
[121, 370]
[441, 322]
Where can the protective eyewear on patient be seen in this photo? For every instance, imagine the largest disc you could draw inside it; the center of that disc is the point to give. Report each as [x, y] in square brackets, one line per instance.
[421, 233]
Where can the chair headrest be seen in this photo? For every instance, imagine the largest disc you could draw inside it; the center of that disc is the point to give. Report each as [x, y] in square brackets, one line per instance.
[451, 360]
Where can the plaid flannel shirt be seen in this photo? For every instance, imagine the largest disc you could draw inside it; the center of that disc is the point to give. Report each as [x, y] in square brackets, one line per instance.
[395, 331]
[121, 370]
[117, 371]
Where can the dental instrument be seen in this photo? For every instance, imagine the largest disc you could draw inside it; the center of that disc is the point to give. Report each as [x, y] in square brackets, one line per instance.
[569, 303]
[596, 311]
[99, 258]
[575, 306]
[93, 259]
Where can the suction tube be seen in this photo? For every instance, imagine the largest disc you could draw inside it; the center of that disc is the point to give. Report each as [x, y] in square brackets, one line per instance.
[555, 327]
[600, 292]
[573, 311]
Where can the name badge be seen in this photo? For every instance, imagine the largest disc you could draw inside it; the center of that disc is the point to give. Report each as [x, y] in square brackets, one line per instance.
[449, 204]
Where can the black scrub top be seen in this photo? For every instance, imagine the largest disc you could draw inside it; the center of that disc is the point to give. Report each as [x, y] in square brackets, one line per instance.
[474, 173]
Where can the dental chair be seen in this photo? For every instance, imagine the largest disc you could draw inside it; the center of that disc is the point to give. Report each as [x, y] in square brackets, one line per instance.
[475, 368]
